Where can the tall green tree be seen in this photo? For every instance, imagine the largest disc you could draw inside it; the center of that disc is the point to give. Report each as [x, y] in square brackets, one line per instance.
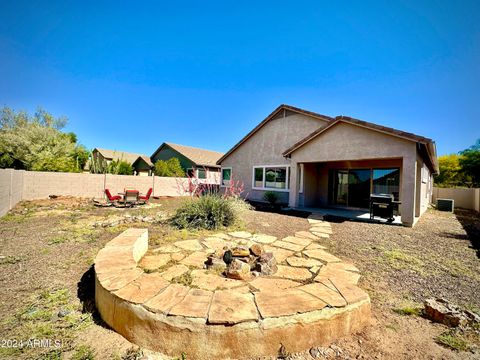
[470, 163]
[120, 167]
[36, 142]
[169, 168]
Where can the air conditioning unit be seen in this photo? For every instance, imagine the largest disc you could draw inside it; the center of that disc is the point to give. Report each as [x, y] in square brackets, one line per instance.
[445, 205]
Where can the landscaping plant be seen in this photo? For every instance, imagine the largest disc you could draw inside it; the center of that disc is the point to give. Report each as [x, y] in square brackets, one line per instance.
[206, 212]
[271, 197]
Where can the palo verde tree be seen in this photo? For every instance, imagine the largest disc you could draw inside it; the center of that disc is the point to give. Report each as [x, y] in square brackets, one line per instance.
[37, 142]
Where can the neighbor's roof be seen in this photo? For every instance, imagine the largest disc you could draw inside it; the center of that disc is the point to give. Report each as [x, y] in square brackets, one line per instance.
[199, 157]
[144, 158]
[275, 112]
[429, 144]
[122, 155]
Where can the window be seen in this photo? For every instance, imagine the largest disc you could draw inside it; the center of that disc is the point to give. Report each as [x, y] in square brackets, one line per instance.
[226, 176]
[270, 177]
[201, 173]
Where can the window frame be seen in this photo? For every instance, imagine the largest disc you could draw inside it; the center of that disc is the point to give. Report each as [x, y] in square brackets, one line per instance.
[221, 175]
[263, 188]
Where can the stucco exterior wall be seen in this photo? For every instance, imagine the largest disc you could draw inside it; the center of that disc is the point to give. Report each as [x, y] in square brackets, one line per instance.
[266, 146]
[345, 142]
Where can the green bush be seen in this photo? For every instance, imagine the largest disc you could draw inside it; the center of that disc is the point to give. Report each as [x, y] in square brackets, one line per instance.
[169, 168]
[206, 212]
[271, 197]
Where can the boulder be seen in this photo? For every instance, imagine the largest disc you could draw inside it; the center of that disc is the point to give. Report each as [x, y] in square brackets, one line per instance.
[240, 251]
[238, 270]
[256, 249]
[444, 312]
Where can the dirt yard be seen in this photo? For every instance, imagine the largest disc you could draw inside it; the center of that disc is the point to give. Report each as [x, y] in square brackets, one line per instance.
[47, 250]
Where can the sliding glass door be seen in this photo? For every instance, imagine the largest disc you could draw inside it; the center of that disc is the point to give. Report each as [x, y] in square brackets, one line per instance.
[352, 187]
[359, 188]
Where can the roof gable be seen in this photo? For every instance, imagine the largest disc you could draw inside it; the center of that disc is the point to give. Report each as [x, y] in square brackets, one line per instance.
[119, 155]
[200, 157]
[274, 115]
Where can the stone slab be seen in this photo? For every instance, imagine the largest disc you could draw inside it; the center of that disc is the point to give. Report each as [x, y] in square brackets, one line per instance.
[297, 240]
[279, 253]
[143, 288]
[210, 281]
[166, 249]
[287, 245]
[321, 229]
[189, 245]
[313, 246]
[240, 234]
[321, 255]
[324, 293]
[264, 239]
[297, 261]
[168, 298]
[230, 308]
[328, 272]
[351, 293]
[195, 304]
[196, 259]
[173, 272]
[306, 235]
[153, 262]
[122, 278]
[320, 234]
[286, 302]
[270, 285]
[293, 273]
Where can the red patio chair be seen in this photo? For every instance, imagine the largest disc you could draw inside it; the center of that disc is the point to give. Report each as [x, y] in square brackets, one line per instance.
[112, 198]
[146, 197]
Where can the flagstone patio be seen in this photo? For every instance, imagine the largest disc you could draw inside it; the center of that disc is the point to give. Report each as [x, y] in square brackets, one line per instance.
[167, 301]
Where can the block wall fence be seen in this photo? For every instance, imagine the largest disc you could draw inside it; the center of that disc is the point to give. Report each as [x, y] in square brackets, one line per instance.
[466, 198]
[18, 185]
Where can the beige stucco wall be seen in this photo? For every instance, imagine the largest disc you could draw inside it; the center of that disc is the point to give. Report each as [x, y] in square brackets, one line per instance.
[266, 146]
[17, 185]
[344, 142]
[466, 198]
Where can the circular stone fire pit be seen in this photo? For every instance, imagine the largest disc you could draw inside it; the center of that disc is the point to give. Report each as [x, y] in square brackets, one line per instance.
[167, 300]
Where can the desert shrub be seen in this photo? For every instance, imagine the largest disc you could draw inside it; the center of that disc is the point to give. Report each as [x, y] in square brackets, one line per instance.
[271, 197]
[239, 205]
[206, 212]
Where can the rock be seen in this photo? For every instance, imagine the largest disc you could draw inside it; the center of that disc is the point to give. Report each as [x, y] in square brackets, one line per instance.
[227, 257]
[314, 352]
[214, 263]
[266, 257]
[240, 251]
[266, 268]
[238, 270]
[256, 249]
[442, 311]
[63, 313]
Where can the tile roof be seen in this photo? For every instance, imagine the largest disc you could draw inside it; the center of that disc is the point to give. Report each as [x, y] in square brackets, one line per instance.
[199, 157]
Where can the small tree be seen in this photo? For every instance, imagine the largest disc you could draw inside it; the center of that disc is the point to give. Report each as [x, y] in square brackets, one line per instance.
[169, 168]
[470, 163]
[120, 167]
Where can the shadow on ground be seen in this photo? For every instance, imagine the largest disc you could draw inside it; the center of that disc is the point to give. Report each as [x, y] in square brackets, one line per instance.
[470, 221]
[86, 295]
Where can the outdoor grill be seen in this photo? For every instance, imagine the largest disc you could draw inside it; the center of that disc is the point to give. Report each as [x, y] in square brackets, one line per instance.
[382, 205]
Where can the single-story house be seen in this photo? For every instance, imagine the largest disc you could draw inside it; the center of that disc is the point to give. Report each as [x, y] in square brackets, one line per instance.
[199, 163]
[317, 161]
[141, 163]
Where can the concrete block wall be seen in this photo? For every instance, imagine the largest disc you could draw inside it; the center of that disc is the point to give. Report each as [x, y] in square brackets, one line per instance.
[466, 198]
[17, 185]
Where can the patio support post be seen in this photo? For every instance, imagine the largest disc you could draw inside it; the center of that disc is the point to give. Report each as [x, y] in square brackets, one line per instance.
[408, 189]
[293, 196]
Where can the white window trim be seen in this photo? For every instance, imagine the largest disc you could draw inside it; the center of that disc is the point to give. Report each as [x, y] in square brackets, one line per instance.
[221, 175]
[263, 188]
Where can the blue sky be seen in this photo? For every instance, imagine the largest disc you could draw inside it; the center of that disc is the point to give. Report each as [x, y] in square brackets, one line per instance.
[205, 73]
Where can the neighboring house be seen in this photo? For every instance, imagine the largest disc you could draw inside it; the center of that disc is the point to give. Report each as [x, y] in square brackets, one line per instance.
[141, 163]
[313, 160]
[196, 162]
